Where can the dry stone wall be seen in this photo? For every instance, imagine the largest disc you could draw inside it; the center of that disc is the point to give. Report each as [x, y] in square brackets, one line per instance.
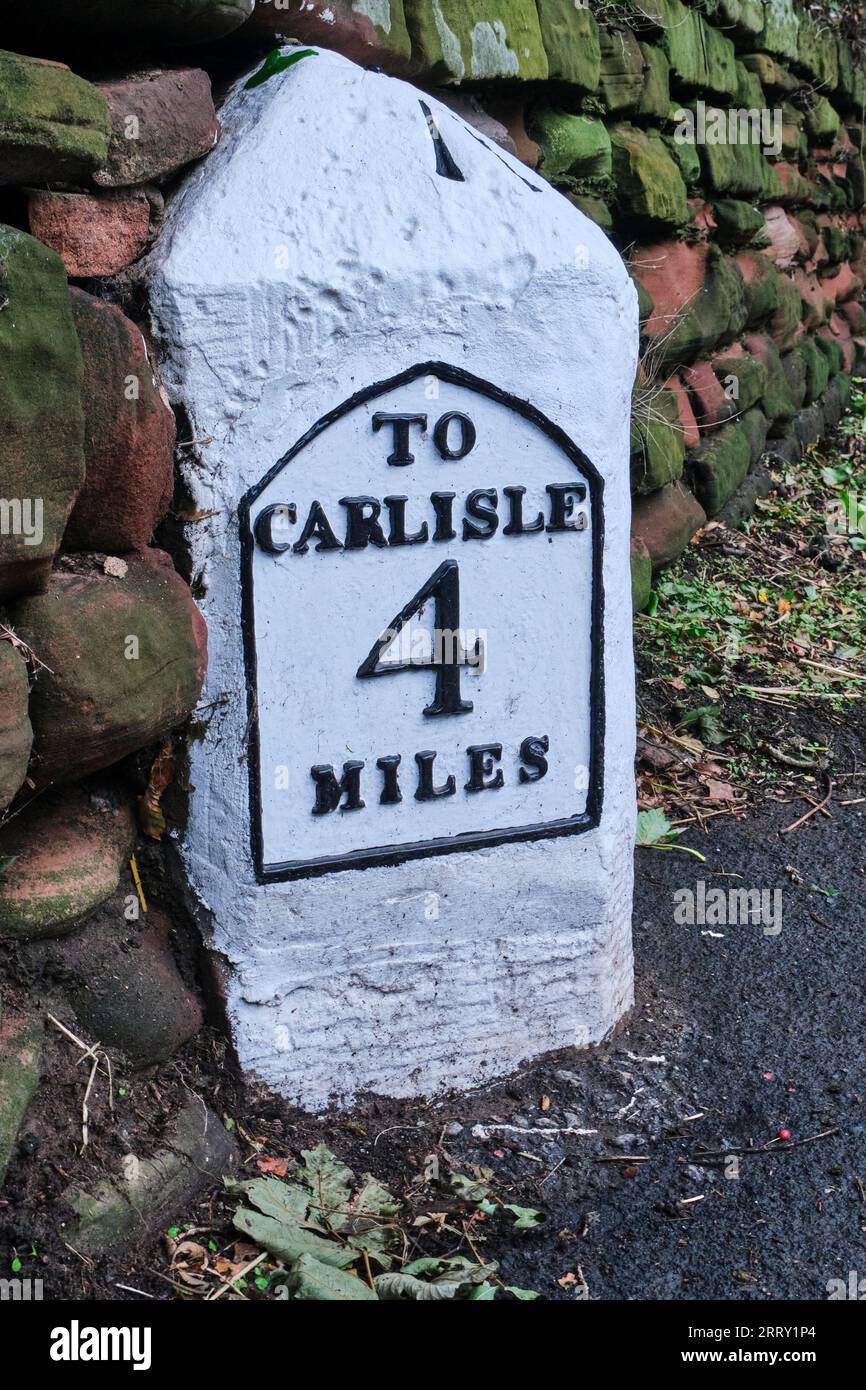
[719, 145]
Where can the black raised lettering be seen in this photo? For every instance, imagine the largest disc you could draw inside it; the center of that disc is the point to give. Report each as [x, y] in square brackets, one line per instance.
[481, 759]
[532, 751]
[443, 506]
[442, 430]
[329, 790]
[562, 500]
[481, 506]
[362, 522]
[401, 425]
[316, 524]
[391, 793]
[426, 790]
[397, 534]
[516, 525]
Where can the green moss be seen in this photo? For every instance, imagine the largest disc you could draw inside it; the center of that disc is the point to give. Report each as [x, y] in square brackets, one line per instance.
[571, 144]
[476, 40]
[719, 465]
[831, 352]
[822, 119]
[687, 158]
[722, 80]
[735, 169]
[739, 223]
[20, 1056]
[54, 126]
[596, 209]
[794, 368]
[682, 41]
[641, 576]
[753, 424]
[622, 70]
[655, 97]
[774, 78]
[817, 53]
[41, 443]
[657, 450]
[571, 41]
[786, 318]
[816, 366]
[750, 93]
[761, 291]
[781, 28]
[745, 375]
[648, 182]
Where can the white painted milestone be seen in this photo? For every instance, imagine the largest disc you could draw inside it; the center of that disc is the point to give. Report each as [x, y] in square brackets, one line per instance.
[407, 362]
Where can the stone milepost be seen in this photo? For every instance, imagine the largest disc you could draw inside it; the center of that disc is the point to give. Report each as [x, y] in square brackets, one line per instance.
[470, 540]
[405, 363]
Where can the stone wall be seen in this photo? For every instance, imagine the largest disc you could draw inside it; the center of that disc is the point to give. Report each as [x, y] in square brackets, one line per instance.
[749, 256]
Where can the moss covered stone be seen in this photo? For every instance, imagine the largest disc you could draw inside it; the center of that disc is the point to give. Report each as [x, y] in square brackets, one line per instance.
[743, 377]
[596, 209]
[785, 319]
[126, 657]
[67, 851]
[655, 97]
[832, 353]
[477, 40]
[781, 29]
[54, 126]
[577, 145]
[816, 367]
[20, 1055]
[16, 734]
[648, 183]
[722, 80]
[778, 402]
[657, 449]
[817, 53]
[146, 1195]
[760, 286]
[794, 368]
[42, 439]
[687, 158]
[641, 575]
[719, 465]
[571, 42]
[682, 41]
[742, 18]
[774, 77]
[739, 223]
[749, 93]
[736, 168]
[822, 119]
[622, 70]
[699, 301]
[754, 425]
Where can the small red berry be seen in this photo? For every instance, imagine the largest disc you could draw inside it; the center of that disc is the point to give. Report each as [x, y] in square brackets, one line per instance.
[784, 1134]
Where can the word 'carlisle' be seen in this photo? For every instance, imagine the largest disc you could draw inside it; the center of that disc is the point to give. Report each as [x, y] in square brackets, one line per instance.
[369, 521]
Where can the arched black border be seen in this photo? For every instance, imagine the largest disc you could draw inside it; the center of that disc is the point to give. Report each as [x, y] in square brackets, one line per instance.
[398, 854]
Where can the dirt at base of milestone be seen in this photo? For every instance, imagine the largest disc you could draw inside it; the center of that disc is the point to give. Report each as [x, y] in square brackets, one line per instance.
[684, 1190]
